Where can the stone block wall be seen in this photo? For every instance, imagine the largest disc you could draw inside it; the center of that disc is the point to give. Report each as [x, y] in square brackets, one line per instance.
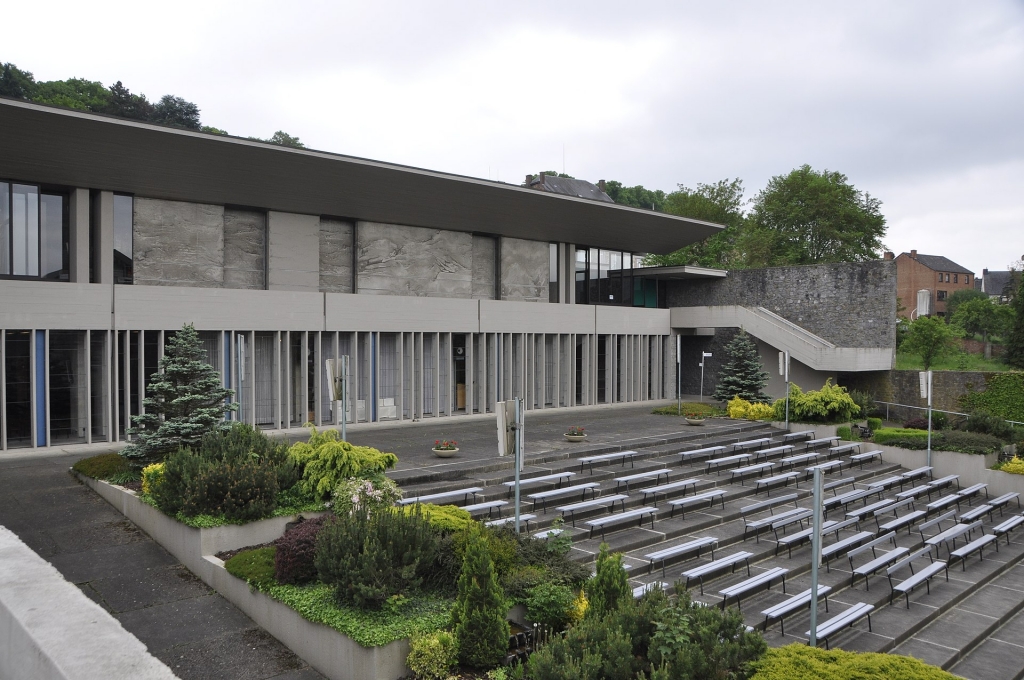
[335, 256]
[849, 304]
[525, 269]
[947, 388]
[178, 244]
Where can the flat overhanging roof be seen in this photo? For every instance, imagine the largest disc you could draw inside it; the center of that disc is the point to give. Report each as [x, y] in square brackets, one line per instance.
[680, 272]
[51, 145]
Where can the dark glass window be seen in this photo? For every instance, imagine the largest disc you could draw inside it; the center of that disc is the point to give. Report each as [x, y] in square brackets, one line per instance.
[594, 292]
[956, 278]
[581, 276]
[5, 228]
[33, 232]
[123, 219]
[18, 368]
[53, 230]
[553, 273]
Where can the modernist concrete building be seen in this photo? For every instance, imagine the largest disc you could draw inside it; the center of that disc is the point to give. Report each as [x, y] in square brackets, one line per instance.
[449, 293]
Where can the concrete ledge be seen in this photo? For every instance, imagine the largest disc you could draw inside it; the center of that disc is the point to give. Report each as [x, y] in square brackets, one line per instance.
[49, 629]
[332, 653]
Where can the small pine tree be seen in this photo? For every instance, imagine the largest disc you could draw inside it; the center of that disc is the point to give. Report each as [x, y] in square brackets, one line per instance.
[1015, 343]
[186, 400]
[481, 627]
[609, 586]
[743, 374]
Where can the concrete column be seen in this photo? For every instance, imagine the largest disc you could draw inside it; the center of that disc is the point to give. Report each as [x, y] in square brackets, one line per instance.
[103, 253]
[437, 375]
[569, 280]
[278, 392]
[88, 385]
[400, 391]
[3, 388]
[78, 236]
[250, 361]
[318, 378]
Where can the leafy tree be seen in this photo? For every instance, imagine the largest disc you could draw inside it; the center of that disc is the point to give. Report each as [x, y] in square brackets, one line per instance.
[127, 105]
[636, 197]
[282, 138]
[742, 375]
[480, 608]
[609, 587]
[931, 338]
[810, 217]
[185, 402]
[73, 93]
[1015, 342]
[721, 203]
[16, 83]
[958, 297]
[980, 315]
[212, 130]
[171, 110]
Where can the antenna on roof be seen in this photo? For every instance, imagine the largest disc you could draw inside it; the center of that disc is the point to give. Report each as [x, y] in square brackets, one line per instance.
[563, 158]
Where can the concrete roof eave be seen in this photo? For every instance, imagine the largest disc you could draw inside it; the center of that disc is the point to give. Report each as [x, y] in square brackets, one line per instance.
[51, 145]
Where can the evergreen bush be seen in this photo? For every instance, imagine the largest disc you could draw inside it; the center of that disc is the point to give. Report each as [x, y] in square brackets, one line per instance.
[800, 662]
[185, 401]
[296, 550]
[609, 586]
[551, 605]
[444, 519]
[240, 492]
[255, 567]
[742, 375]
[479, 615]
[831, 404]
[967, 442]
[324, 462]
[432, 656]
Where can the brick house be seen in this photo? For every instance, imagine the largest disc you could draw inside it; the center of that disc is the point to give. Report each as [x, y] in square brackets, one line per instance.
[937, 274]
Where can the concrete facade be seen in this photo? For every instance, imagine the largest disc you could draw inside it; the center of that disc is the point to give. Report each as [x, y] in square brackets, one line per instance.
[336, 256]
[400, 260]
[294, 252]
[524, 270]
[245, 249]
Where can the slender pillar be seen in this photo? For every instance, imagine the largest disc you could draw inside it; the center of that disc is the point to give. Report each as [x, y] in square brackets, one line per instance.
[3, 389]
[104, 251]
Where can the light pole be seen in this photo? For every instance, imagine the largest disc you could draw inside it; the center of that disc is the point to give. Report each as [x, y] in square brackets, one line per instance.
[703, 357]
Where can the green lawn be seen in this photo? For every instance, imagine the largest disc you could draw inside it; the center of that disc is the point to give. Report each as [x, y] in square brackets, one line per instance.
[966, 362]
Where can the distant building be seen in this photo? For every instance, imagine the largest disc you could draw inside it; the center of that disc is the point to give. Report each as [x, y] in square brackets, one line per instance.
[565, 186]
[937, 274]
[1000, 286]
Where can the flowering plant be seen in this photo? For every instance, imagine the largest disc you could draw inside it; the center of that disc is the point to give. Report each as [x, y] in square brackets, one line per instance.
[445, 445]
[575, 432]
[695, 415]
[369, 495]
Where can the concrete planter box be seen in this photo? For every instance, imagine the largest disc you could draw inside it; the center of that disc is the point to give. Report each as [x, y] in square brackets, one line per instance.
[332, 653]
[820, 431]
[972, 468]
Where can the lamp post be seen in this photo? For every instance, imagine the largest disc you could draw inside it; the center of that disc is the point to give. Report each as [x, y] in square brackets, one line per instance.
[703, 357]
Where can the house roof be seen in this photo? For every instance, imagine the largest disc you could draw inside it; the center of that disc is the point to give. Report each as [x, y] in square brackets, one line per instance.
[994, 283]
[569, 187]
[51, 145]
[940, 263]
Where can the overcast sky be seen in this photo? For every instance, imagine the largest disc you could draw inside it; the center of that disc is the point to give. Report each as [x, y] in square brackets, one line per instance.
[919, 103]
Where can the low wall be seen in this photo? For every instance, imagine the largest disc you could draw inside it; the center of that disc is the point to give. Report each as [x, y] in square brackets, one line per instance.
[49, 629]
[332, 653]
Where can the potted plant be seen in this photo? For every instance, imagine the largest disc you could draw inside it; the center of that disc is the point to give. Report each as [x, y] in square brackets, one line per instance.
[575, 434]
[445, 448]
[695, 418]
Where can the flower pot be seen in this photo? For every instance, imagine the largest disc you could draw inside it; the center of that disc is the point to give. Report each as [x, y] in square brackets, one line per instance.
[575, 437]
[444, 453]
[695, 421]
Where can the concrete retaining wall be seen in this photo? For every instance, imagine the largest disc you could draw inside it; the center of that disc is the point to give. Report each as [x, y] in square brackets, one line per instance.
[332, 653]
[49, 629]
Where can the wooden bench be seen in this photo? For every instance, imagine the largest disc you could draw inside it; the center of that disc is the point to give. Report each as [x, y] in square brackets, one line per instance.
[698, 544]
[750, 444]
[602, 522]
[906, 521]
[530, 481]
[815, 443]
[837, 548]
[512, 520]
[973, 490]
[686, 456]
[773, 451]
[649, 474]
[640, 591]
[943, 482]
[488, 506]
[783, 609]
[759, 468]
[876, 562]
[936, 522]
[768, 505]
[572, 508]
[767, 482]
[607, 457]
[1006, 527]
[799, 537]
[672, 486]
[1000, 501]
[797, 436]
[716, 565]
[742, 588]
[916, 578]
[543, 496]
[711, 495]
[799, 459]
[840, 621]
[945, 502]
[861, 458]
[978, 545]
[826, 468]
[951, 535]
[727, 460]
[843, 449]
[975, 513]
[430, 498]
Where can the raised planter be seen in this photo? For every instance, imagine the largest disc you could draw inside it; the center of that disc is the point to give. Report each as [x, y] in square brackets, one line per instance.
[334, 654]
[444, 453]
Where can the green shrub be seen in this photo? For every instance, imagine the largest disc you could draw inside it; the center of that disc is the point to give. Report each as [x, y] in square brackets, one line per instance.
[255, 567]
[518, 583]
[103, 466]
[296, 551]
[966, 442]
[800, 662]
[431, 656]
[1003, 396]
[480, 608]
[609, 586]
[241, 491]
[845, 433]
[551, 605]
[865, 402]
[370, 559]
[830, 404]
[324, 462]
[874, 424]
[983, 422]
[902, 437]
[444, 519]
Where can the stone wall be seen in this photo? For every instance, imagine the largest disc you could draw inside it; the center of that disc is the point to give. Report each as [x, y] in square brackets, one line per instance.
[400, 260]
[245, 249]
[178, 244]
[849, 304]
[335, 256]
[524, 270]
[947, 388]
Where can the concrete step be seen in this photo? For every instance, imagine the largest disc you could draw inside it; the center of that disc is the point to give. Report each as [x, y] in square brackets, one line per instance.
[998, 657]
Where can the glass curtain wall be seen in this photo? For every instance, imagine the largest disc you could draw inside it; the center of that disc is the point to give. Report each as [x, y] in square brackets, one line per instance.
[124, 271]
[609, 277]
[18, 374]
[68, 395]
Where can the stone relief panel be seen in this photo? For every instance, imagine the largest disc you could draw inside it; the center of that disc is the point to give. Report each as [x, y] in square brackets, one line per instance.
[400, 260]
[245, 249]
[178, 244]
[484, 248]
[524, 270]
[335, 256]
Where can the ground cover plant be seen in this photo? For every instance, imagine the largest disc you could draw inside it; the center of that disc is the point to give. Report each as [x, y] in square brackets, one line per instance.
[690, 408]
[800, 662]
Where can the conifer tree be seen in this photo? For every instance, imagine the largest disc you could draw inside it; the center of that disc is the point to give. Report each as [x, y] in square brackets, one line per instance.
[609, 586]
[742, 375]
[1015, 343]
[481, 626]
[185, 401]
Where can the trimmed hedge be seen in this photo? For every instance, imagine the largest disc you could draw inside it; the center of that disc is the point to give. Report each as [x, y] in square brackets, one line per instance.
[800, 662]
[902, 437]
[946, 440]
